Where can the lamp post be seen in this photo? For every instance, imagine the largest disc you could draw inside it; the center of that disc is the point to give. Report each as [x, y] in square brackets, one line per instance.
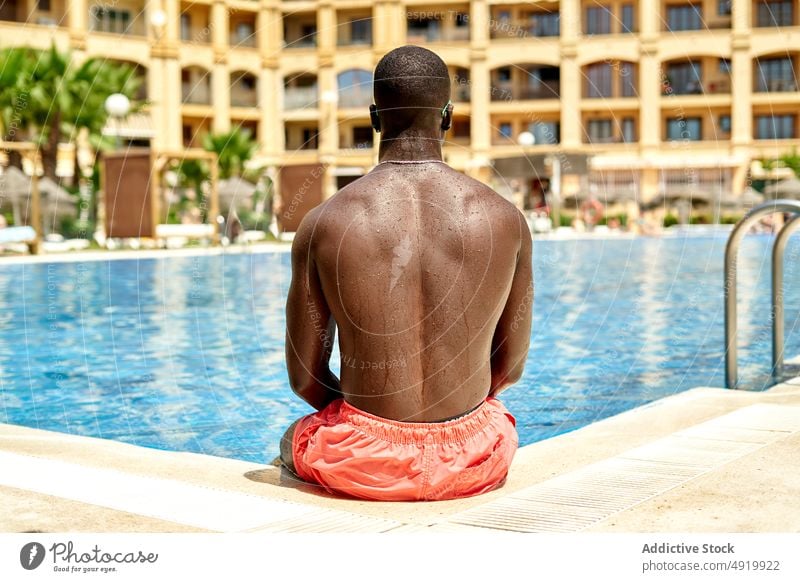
[117, 106]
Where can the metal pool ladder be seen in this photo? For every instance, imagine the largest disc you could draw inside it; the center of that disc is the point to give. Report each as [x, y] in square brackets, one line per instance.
[731, 258]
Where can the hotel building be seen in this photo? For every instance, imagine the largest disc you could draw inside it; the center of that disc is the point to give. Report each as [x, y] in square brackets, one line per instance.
[628, 99]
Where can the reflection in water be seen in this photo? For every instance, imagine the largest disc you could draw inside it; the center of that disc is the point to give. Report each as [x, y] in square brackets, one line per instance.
[187, 353]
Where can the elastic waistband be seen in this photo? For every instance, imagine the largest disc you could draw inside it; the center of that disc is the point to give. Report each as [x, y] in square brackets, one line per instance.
[396, 431]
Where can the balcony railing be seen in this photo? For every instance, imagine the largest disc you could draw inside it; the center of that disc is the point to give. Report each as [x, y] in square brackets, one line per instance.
[768, 85]
[508, 92]
[197, 35]
[241, 97]
[300, 97]
[301, 43]
[245, 40]
[196, 93]
[438, 35]
[352, 98]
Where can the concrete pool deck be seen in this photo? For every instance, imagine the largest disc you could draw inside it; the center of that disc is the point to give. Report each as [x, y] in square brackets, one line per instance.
[704, 460]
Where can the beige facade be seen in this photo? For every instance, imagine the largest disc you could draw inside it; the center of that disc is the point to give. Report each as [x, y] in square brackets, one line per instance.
[658, 93]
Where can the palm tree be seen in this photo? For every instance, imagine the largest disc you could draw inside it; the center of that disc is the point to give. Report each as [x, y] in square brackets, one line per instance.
[61, 98]
[233, 148]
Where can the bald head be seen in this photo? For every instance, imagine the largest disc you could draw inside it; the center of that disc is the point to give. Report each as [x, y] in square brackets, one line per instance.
[411, 87]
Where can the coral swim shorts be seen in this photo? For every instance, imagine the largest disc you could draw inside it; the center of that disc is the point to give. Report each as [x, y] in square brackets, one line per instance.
[351, 452]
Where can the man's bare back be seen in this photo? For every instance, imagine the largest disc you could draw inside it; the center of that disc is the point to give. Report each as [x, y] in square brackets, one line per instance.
[427, 275]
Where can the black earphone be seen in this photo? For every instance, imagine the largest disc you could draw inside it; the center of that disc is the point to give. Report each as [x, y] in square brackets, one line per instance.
[374, 119]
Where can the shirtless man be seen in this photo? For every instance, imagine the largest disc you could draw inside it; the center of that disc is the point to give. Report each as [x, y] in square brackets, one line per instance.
[427, 275]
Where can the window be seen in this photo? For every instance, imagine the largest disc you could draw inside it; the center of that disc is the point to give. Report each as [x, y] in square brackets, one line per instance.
[600, 131]
[505, 130]
[627, 79]
[725, 66]
[461, 128]
[775, 126]
[188, 133]
[725, 123]
[424, 27]
[544, 24]
[245, 34]
[309, 139]
[541, 83]
[598, 80]
[684, 17]
[684, 129]
[308, 36]
[775, 75]
[462, 19]
[598, 20]
[628, 130]
[361, 31]
[545, 132]
[724, 7]
[43, 5]
[186, 27]
[628, 24]
[685, 78]
[775, 14]
[504, 75]
[109, 20]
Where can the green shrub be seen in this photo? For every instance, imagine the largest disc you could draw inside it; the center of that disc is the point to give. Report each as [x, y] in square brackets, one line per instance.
[670, 220]
[700, 219]
[730, 219]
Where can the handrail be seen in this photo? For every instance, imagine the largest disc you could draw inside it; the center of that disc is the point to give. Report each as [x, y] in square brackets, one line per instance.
[731, 260]
[778, 321]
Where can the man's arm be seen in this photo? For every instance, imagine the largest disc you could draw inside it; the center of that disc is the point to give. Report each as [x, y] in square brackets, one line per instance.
[513, 333]
[310, 329]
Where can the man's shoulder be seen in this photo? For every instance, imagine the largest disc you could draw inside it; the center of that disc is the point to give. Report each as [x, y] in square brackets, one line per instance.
[500, 207]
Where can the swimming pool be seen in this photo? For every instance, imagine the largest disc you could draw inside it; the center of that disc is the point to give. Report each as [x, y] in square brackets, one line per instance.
[186, 353]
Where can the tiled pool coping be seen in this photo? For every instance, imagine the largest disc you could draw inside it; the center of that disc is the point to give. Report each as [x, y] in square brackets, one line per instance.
[746, 481]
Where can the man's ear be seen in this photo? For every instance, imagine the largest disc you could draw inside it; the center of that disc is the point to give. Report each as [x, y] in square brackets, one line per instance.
[374, 119]
[447, 117]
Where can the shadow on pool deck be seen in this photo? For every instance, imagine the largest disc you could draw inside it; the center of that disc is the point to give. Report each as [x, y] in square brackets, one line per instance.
[703, 460]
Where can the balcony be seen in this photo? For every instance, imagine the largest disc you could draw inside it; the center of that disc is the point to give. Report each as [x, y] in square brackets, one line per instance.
[355, 88]
[129, 21]
[196, 86]
[775, 75]
[437, 25]
[519, 21]
[242, 32]
[460, 85]
[681, 17]
[301, 136]
[522, 82]
[244, 90]
[300, 97]
[194, 24]
[35, 13]
[354, 30]
[609, 80]
[768, 14]
[299, 32]
[698, 76]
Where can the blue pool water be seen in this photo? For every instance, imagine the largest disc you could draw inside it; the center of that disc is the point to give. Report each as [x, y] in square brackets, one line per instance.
[187, 353]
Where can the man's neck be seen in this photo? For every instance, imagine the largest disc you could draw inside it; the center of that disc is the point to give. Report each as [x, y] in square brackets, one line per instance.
[405, 147]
